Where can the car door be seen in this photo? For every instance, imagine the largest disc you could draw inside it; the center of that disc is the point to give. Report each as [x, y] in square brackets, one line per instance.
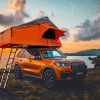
[24, 60]
[20, 60]
[35, 62]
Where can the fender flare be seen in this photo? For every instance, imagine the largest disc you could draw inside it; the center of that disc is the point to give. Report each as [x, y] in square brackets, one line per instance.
[18, 65]
[46, 68]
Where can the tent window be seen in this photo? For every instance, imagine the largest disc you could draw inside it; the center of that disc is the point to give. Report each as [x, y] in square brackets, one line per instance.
[49, 34]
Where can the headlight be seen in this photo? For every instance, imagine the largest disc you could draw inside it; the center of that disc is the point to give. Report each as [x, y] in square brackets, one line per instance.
[61, 64]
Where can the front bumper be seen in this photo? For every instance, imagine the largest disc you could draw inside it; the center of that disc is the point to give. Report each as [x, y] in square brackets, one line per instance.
[73, 75]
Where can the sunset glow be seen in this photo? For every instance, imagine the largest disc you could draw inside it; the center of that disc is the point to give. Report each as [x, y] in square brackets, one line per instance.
[71, 46]
[76, 16]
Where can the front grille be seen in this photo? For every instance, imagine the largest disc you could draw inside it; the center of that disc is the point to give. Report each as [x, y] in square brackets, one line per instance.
[79, 67]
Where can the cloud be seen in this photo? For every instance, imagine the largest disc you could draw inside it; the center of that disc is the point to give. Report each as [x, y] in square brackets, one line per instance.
[66, 34]
[15, 13]
[90, 30]
[52, 15]
[40, 14]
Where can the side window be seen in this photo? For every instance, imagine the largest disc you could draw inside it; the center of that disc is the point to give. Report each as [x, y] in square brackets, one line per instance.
[20, 55]
[36, 54]
[47, 54]
[26, 54]
[56, 54]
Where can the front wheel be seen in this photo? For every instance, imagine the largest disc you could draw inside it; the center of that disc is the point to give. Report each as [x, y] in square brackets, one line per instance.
[18, 73]
[48, 79]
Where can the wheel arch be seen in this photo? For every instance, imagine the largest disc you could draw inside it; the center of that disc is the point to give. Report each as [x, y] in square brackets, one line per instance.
[18, 65]
[48, 68]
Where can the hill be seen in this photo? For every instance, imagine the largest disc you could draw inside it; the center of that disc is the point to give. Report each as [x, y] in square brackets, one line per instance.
[91, 52]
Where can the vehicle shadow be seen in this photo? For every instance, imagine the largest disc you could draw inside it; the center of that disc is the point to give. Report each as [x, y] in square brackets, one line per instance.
[65, 85]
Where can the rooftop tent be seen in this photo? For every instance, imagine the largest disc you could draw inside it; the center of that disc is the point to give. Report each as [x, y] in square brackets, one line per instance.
[38, 33]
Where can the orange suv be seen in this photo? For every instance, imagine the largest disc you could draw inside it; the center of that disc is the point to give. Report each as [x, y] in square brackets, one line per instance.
[49, 65]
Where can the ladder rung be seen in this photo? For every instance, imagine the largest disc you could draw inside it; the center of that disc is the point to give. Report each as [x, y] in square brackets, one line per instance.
[10, 64]
[6, 71]
[11, 58]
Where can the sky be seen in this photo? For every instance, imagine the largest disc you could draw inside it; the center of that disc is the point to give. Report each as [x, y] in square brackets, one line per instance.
[77, 16]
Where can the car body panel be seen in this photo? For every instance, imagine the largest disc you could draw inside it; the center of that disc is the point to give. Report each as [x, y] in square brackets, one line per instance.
[36, 66]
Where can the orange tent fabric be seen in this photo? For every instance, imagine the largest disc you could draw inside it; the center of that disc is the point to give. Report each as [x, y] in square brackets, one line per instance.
[40, 32]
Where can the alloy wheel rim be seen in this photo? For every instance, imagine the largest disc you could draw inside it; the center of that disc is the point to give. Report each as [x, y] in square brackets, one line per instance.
[48, 79]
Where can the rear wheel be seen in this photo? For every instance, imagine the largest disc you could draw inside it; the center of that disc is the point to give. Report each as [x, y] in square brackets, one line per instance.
[18, 73]
[48, 78]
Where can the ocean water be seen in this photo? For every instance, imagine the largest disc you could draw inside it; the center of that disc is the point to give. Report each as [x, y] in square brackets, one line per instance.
[84, 58]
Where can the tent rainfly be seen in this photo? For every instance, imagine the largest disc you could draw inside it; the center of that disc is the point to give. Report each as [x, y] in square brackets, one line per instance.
[38, 33]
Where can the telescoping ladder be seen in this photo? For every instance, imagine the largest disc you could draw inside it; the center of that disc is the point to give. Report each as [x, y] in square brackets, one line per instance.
[9, 64]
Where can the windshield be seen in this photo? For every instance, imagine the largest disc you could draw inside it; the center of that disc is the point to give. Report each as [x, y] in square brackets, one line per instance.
[52, 54]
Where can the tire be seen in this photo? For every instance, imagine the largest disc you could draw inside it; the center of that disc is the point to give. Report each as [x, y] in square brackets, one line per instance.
[18, 73]
[48, 79]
